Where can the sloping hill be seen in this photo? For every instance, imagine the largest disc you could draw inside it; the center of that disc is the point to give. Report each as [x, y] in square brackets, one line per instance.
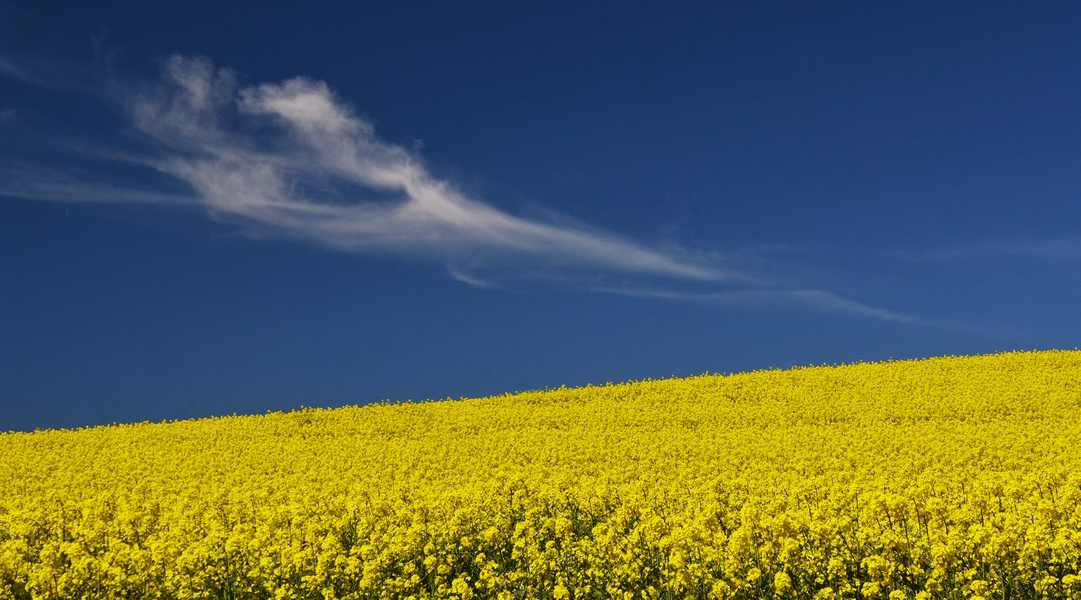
[947, 477]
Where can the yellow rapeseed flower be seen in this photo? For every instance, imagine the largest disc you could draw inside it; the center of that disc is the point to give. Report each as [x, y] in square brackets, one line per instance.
[954, 477]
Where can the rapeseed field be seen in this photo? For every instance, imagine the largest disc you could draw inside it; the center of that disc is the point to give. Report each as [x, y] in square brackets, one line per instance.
[954, 477]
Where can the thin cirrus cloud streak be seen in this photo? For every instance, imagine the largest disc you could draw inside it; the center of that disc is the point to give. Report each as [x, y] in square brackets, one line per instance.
[818, 299]
[292, 160]
[302, 179]
[299, 181]
[1052, 249]
[28, 181]
[49, 74]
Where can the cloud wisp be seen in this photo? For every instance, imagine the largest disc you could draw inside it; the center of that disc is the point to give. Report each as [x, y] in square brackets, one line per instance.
[318, 172]
[768, 298]
[293, 160]
[49, 74]
[1050, 249]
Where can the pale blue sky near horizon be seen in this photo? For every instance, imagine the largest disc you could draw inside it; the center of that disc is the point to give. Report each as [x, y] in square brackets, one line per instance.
[211, 208]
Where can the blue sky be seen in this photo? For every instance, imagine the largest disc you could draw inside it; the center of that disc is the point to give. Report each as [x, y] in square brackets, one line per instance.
[208, 208]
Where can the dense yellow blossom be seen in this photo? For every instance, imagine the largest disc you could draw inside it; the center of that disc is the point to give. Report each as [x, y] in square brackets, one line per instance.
[940, 478]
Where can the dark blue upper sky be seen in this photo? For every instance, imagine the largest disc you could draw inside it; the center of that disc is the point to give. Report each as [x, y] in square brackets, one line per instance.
[208, 208]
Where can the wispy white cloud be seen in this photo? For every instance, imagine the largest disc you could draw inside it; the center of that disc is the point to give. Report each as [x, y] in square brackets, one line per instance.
[1057, 249]
[49, 73]
[784, 300]
[57, 185]
[772, 299]
[293, 160]
[319, 172]
[9, 69]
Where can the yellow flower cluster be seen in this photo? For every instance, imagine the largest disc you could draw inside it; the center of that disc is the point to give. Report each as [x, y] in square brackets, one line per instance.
[953, 477]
